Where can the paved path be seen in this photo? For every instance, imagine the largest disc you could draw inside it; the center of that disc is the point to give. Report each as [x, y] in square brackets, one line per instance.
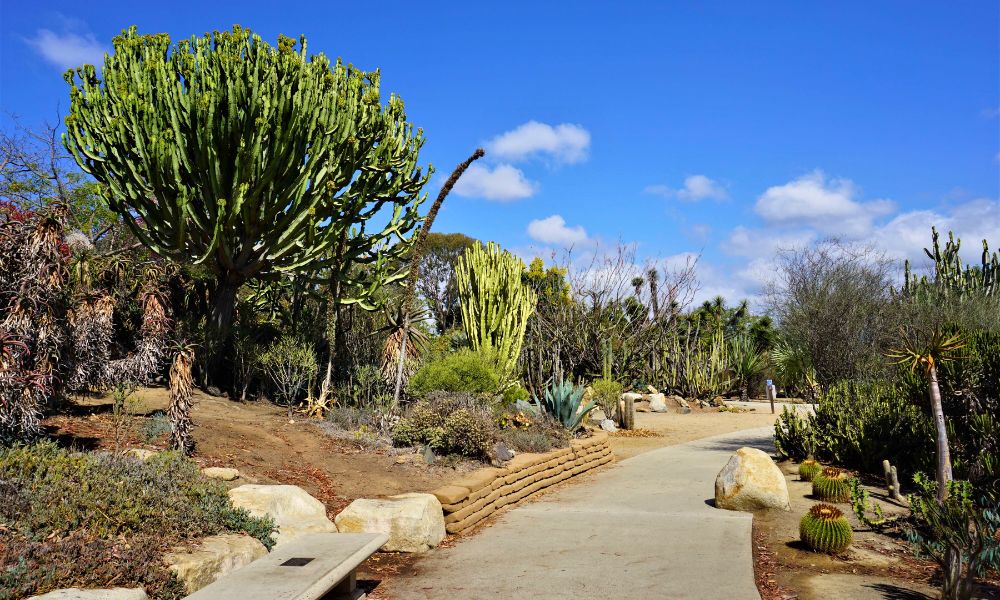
[640, 529]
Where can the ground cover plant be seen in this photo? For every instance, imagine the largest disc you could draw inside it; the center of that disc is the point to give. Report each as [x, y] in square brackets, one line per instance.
[84, 519]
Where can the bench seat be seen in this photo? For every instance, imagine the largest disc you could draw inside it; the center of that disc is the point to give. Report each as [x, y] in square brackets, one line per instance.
[309, 567]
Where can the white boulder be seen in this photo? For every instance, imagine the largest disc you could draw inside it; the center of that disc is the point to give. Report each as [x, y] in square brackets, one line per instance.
[414, 522]
[92, 594]
[214, 557]
[657, 403]
[751, 481]
[223, 473]
[294, 511]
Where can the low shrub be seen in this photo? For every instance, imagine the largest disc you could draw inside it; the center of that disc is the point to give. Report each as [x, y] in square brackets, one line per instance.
[289, 364]
[607, 394]
[448, 423]
[88, 519]
[513, 394]
[464, 371]
[540, 434]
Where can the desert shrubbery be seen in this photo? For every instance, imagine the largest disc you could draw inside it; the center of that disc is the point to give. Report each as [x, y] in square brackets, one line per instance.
[463, 371]
[82, 518]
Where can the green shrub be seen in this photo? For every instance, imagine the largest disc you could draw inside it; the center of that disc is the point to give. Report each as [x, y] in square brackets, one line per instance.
[794, 436]
[825, 529]
[607, 394]
[469, 433]
[513, 394]
[87, 519]
[448, 423]
[289, 364]
[563, 402]
[463, 371]
[542, 434]
[110, 496]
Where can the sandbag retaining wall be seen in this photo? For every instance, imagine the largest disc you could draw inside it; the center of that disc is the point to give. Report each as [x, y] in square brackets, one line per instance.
[481, 493]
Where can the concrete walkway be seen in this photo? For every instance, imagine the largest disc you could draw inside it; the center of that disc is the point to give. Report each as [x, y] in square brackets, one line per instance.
[640, 529]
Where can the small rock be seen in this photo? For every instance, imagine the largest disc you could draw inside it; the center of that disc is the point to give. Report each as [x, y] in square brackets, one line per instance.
[652, 390]
[751, 481]
[428, 455]
[213, 391]
[294, 511]
[609, 426]
[214, 557]
[683, 410]
[718, 401]
[657, 403]
[91, 594]
[223, 473]
[680, 401]
[642, 407]
[413, 522]
[634, 396]
[140, 453]
[502, 452]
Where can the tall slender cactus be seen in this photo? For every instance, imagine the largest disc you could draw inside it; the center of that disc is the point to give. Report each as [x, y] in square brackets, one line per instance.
[495, 302]
[952, 277]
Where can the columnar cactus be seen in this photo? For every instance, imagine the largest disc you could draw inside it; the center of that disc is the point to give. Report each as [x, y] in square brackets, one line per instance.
[825, 529]
[832, 485]
[495, 303]
[951, 276]
[252, 160]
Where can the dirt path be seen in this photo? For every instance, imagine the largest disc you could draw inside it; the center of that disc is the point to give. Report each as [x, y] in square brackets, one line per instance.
[267, 446]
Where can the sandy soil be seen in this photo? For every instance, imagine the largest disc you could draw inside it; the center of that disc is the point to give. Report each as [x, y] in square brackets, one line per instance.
[876, 566]
[672, 428]
[266, 446]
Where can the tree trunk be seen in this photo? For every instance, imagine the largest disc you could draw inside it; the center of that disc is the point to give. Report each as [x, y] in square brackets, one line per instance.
[223, 306]
[401, 361]
[943, 454]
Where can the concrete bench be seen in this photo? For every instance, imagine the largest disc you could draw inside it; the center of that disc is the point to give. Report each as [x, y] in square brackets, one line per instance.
[310, 567]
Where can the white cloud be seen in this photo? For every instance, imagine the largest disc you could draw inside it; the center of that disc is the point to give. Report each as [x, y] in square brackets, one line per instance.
[501, 183]
[696, 187]
[991, 113]
[826, 205]
[564, 143]
[907, 234]
[755, 243]
[69, 49]
[553, 230]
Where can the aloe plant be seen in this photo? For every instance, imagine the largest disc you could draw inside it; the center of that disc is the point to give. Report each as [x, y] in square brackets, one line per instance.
[562, 400]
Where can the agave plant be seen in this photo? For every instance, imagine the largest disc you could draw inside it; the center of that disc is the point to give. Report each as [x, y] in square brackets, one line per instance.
[562, 401]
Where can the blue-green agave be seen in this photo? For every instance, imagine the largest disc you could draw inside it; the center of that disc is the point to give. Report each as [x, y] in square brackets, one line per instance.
[562, 401]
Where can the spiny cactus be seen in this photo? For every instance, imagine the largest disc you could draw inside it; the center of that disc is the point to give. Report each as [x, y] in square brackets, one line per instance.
[951, 276]
[495, 302]
[832, 485]
[809, 469]
[825, 529]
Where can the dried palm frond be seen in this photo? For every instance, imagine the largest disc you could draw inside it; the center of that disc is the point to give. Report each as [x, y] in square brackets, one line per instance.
[181, 399]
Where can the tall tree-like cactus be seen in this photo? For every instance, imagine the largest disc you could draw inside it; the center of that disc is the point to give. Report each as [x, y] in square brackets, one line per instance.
[951, 276]
[495, 302]
[252, 160]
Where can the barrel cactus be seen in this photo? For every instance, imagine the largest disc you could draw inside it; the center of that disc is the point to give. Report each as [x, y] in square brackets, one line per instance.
[832, 485]
[825, 529]
[809, 469]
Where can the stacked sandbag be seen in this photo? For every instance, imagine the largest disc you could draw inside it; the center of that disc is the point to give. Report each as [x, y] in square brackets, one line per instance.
[481, 493]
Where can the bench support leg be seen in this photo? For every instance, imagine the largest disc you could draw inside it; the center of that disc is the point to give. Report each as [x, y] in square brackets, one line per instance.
[346, 589]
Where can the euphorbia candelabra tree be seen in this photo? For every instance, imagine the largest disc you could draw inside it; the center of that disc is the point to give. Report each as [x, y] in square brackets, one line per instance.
[252, 160]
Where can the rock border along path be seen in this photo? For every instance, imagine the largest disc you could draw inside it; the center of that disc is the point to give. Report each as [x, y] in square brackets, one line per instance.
[644, 528]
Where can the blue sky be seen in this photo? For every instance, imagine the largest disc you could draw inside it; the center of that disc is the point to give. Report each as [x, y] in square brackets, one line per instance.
[728, 129]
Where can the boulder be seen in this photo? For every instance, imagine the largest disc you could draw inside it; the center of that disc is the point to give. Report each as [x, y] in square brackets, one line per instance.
[751, 481]
[502, 452]
[223, 473]
[214, 557]
[143, 455]
[634, 396]
[652, 390]
[609, 426]
[414, 522]
[657, 403]
[92, 594]
[294, 511]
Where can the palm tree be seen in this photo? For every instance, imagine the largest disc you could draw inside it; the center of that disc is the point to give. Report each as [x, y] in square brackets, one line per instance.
[926, 356]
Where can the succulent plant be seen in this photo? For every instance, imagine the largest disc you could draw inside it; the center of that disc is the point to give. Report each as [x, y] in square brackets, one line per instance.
[809, 469]
[832, 485]
[825, 529]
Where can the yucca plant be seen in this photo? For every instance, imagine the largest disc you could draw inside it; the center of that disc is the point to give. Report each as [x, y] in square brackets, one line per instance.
[925, 356]
[746, 362]
[825, 529]
[562, 401]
